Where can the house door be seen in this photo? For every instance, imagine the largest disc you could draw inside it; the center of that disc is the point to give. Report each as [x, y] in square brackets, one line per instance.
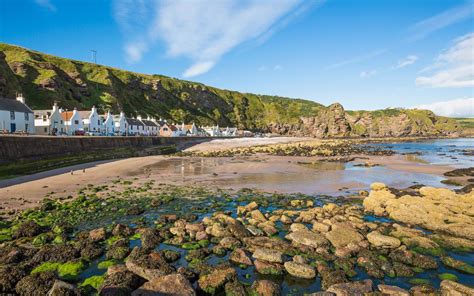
[12, 127]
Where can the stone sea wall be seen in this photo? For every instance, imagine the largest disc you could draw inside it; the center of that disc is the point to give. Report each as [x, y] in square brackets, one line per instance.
[37, 147]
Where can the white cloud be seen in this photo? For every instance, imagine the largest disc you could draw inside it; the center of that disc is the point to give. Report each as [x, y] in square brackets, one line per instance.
[409, 60]
[367, 74]
[453, 108]
[357, 59]
[277, 68]
[442, 20]
[203, 30]
[453, 68]
[46, 4]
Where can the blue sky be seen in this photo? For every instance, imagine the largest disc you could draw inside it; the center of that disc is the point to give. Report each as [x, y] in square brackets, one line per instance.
[365, 54]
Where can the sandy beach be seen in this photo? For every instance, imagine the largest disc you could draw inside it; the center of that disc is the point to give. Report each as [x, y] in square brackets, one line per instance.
[285, 174]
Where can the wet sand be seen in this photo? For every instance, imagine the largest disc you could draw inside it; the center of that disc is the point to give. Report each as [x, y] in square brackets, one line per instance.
[267, 173]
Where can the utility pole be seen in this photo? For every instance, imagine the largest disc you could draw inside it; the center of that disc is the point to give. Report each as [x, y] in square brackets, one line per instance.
[94, 56]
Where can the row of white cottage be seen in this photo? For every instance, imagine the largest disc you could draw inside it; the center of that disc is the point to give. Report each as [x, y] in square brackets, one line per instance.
[16, 116]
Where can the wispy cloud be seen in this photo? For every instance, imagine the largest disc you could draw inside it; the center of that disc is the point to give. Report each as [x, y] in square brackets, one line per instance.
[357, 59]
[46, 4]
[453, 68]
[409, 60]
[203, 31]
[367, 74]
[453, 108]
[442, 20]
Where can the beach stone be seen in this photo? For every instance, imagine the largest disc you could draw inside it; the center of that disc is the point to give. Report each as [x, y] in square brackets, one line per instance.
[266, 242]
[377, 200]
[240, 256]
[268, 255]
[342, 234]
[257, 215]
[378, 186]
[116, 268]
[173, 284]
[321, 227]
[150, 238]
[150, 266]
[379, 240]
[298, 227]
[266, 288]
[230, 243]
[201, 235]
[61, 288]
[97, 235]
[248, 208]
[299, 259]
[264, 267]
[120, 283]
[307, 238]
[36, 284]
[28, 229]
[392, 290]
[55, 253]
[215, 281]
[423, 290]
[300, 270]
[194, 227]
[10, 275]
[122, 230]
[285, 219]
[330, 276]
[351, 288]
[235, 289]
[451, 288]
[255, 231]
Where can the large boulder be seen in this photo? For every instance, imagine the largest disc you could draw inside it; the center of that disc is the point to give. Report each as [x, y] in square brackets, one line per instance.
[450, 288]
[149, 266]
[351, 288]
[213, 282]
[268, 255]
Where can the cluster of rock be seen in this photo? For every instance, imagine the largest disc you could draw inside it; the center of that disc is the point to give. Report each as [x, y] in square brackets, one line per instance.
[302, 241]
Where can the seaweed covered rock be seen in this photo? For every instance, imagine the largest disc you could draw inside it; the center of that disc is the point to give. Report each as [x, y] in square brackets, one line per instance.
[352, 288]
[451, 288]
[150, 266]
[28, 229]
[300, 270]
[61, 288]
[120, 283]
[10, 275]
[35, 284]
[215, 281]
[56, 253]
[266, 288]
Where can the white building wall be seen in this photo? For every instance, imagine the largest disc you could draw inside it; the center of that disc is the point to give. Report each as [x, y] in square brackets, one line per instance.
[22, 123]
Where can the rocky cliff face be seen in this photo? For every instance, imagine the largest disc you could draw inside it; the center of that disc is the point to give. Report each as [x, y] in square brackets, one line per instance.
[44, 79]
[336, 122]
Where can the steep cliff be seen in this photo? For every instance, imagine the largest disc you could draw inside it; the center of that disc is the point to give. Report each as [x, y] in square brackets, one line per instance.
[44, 79]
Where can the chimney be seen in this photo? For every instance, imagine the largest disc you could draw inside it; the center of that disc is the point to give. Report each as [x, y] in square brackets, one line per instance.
[122, 114]
[139, 117]
[55, 107]
[20, 98]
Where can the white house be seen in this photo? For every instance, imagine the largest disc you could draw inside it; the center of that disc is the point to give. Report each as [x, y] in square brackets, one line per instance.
[73, 121]
[91, 121]
[16, 116]
[190, 129]
[212, 131]
[121, 125]
[151, 127]
[49, 122]
[135, 127]
[108, 125]
[229, 132]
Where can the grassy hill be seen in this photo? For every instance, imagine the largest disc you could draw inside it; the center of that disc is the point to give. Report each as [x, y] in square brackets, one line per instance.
[44, 79]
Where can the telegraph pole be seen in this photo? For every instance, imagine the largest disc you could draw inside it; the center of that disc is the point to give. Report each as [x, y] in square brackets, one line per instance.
[94, 56]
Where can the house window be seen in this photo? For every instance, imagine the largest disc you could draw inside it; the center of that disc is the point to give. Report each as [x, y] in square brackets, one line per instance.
[27, 116]
[165, 129]
[12, 115]
[44, 118]
[61, 121]
[45, 129]
[76, 121]
[98, 122]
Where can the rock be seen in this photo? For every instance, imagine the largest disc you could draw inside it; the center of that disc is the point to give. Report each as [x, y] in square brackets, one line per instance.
[266, 288]
[239, 256]
[299, 259]
[458, 264]
[352, 288]
[173, 284]
[150, 266]
[55, 253]
[248, 208]
[117, 252]
[321, 227]
[97, 235]
[150, 238]
[266, 242]
[61, 288]
[264, 267]
[122, 230]
[378, 186]
[298, 227]
[28, 229]
[450, 288]
[423, 290]
[392, 290]
[215, 281]
[300, 270]
[116, 268]
[36, 284]
[257, 215]
[120, 283]
[230, 243]
[307, 238]
[379, 240]
[10, 275]
[285, 219]
[342, 234]
[235, 289]
[377, 201]
[268, 255]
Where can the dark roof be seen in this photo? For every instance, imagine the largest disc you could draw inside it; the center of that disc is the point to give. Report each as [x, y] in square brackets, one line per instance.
[148, 122]
[13, 105]
[133, 121]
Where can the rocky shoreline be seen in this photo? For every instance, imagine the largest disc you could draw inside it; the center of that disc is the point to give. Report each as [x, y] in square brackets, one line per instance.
[155, 240]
